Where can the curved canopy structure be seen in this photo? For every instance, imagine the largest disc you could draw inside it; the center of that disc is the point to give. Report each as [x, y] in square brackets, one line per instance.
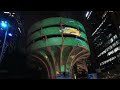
[58, 43]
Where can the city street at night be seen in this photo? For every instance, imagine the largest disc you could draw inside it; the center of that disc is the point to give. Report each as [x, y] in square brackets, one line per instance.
[59, 45]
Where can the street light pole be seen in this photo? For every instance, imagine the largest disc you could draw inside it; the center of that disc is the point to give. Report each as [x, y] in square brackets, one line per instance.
[1, 55]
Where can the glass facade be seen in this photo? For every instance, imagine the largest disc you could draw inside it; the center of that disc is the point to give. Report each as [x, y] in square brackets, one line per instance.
[105, 38]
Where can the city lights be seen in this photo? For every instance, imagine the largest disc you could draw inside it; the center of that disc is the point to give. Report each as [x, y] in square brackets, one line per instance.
[10, 34]
[4, 24]
[7, 12]
[60, 45]
[107, 61]
[87, 14]
[99, 26]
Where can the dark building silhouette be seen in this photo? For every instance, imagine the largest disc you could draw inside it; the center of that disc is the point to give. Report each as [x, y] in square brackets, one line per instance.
[105, 36]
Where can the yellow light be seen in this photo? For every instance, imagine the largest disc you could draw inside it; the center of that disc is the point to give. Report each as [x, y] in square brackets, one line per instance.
[71, 31]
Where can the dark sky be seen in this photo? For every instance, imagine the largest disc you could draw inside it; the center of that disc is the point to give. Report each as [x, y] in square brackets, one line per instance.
[30, 17]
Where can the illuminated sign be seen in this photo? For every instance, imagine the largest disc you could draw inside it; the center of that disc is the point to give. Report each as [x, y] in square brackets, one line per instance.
[73, 31]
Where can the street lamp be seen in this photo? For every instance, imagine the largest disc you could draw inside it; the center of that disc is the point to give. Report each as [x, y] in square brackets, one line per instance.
[10, 34]
[4, 25]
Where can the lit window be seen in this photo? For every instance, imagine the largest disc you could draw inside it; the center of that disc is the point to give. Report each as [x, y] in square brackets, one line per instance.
[111, 11]
[109, 24]
[7, 12]
[106, 61]
[12, 15]
[111, 40]
[109, 35]
[116, 49]
[103, 52]
[111, 52]
[115, 44]
[99, 55]
[119, 27]
[110, 47]
[115, 36]
[87, 14]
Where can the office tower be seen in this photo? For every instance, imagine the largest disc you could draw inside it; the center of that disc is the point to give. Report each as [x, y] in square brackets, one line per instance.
[105, 35]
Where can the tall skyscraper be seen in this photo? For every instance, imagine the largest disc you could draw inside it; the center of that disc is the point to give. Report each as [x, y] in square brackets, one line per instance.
[105, 35]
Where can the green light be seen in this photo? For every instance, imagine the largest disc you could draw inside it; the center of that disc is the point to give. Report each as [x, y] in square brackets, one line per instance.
[63, 68]
[59, 48]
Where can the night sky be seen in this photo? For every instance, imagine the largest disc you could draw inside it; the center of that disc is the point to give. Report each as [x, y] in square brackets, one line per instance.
[31, 17]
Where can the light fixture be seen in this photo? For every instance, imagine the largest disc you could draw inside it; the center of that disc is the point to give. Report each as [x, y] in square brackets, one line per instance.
[4, 24]
[10, 34]
[87, 14]
[7, 12]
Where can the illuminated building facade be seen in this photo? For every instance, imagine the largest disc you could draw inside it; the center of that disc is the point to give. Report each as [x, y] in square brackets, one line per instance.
[105, 35]
[58, 43]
